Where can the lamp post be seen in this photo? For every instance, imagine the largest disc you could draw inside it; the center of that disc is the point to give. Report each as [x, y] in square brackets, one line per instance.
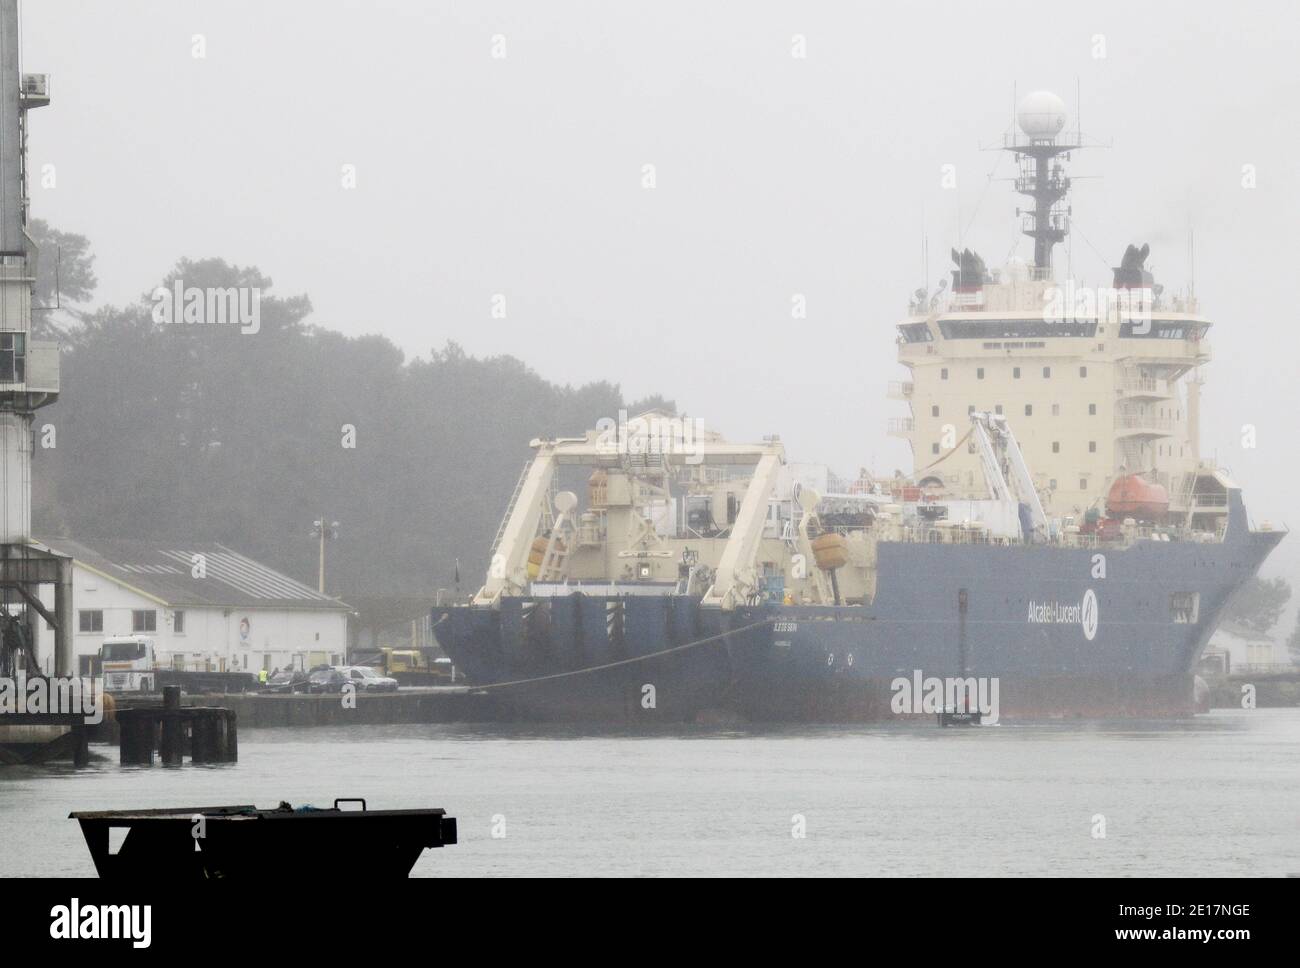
[320, 528]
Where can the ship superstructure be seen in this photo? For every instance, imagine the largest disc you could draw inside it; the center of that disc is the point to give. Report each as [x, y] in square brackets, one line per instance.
[1101, 383]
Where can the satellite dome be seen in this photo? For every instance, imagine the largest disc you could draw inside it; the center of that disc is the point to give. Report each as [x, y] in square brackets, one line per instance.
[1041, 115]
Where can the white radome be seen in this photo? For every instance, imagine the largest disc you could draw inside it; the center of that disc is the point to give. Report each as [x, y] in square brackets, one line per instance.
[1041, 115]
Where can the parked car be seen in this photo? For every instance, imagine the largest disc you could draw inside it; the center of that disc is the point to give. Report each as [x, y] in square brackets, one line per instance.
[370, 680]
[288, 680]
[328, 680]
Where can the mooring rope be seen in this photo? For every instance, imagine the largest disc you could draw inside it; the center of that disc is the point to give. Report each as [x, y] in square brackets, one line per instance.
[622, 662]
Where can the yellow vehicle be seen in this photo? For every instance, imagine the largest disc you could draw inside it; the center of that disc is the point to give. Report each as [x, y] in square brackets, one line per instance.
[415, 667]
[404, 660]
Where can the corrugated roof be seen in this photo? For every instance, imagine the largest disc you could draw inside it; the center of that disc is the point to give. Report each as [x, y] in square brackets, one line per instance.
[164, 570]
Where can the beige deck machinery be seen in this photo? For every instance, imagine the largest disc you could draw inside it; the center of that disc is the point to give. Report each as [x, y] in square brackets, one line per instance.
[546, 539]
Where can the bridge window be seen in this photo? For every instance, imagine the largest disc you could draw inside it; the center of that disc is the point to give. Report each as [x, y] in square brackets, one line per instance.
[13, 358]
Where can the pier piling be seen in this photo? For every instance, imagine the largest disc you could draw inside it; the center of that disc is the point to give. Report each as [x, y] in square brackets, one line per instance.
[210, 732]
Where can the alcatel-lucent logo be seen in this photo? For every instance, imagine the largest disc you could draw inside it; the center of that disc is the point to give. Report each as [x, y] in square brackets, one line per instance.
[1085, 614]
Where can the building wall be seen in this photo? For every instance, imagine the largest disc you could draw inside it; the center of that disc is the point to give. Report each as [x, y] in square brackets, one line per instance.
[213, 637]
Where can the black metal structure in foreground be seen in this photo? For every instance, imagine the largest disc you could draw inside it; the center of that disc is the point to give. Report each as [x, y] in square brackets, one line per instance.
[242, 842]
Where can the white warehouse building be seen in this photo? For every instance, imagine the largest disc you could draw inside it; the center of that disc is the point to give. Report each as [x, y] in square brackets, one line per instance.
[206, 607]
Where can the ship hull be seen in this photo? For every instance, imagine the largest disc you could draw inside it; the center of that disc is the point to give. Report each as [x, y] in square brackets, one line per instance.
[1045, 632]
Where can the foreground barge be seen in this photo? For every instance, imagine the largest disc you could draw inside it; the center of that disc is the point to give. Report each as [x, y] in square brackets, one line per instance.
[242, 842]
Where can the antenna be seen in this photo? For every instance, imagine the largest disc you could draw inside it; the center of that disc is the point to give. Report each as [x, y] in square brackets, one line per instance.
[925, 254]
[1041, 118]
[1078, 111]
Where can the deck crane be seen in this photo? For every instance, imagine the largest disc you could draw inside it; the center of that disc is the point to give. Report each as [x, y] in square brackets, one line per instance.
[1007, 473]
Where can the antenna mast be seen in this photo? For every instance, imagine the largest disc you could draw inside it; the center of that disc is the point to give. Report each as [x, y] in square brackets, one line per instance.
[1040, 119]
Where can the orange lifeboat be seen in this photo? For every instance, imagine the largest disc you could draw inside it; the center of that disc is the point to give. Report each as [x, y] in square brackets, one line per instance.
[831, 551]
[538, 552]
[1133, 497]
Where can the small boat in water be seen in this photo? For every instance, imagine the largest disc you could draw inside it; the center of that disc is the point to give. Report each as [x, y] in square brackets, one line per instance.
[243, 842]
[952, 716]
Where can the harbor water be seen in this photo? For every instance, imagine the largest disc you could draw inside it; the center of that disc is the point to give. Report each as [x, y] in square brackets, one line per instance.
[1214, 795]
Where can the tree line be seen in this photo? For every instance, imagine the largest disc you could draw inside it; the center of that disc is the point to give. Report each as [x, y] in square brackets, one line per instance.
[201, 432]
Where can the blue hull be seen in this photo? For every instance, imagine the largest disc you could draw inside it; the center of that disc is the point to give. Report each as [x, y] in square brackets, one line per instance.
[1061, 637]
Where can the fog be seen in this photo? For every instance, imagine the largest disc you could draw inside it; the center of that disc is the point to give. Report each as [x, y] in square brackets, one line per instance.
[774, 175]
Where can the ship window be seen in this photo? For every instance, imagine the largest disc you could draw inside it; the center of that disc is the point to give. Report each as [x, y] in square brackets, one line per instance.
[90, 620]
[943, 374]
[1092, 410]
[1056, 447]
[979, 373]
[1092, 447]
[1047, 372]
[1185, 607]
[915, 333]
[934, 411]
[13, 358]
[1029, 410]
[1015, 372]
[1083, 371]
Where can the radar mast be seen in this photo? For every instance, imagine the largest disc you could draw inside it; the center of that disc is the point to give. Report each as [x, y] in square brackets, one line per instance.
[1041, 118]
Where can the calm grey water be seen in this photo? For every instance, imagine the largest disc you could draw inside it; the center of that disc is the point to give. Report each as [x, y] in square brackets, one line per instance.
[1218, 795]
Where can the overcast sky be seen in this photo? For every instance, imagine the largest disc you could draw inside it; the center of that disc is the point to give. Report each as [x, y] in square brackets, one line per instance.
[775, 175]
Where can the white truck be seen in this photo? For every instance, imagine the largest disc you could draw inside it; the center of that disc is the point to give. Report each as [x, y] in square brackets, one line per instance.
[127, 663]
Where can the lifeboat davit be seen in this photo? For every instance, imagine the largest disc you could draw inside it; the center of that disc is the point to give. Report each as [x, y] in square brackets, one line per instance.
[1133, 497]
